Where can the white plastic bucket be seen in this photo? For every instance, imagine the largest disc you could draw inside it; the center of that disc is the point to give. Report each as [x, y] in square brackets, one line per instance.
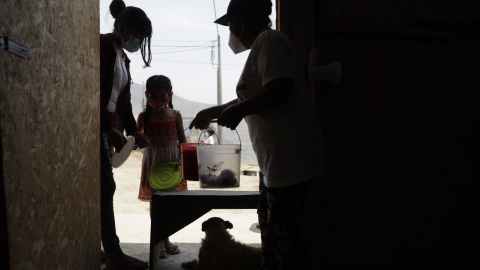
[219, 165]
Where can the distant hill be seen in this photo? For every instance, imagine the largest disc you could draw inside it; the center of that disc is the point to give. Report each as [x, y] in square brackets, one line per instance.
[188, 110]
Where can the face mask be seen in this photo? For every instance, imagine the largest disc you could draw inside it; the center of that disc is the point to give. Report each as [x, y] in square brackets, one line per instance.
[235, 44]
[132, 45]
[158, 104]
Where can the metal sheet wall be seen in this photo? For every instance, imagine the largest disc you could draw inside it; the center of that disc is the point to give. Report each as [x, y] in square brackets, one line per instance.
[402, 135]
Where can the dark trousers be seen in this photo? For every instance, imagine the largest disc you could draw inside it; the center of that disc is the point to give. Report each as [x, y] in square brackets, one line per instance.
[110, 241]
[280, 212]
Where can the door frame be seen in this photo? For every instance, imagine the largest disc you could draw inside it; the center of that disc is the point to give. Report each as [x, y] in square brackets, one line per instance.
[4, 247]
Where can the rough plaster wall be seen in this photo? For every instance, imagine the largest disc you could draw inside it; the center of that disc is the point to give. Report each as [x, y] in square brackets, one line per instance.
[402, 135]
[50, 125]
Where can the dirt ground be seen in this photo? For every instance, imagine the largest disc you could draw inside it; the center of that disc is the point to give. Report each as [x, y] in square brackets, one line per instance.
[133, 219]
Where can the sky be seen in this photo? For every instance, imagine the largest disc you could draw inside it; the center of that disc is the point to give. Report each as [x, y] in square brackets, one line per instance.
[183, 33]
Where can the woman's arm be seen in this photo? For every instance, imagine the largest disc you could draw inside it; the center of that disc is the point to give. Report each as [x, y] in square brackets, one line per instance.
[203, 119]
[124, 108]
[272, 95]
[106, 57]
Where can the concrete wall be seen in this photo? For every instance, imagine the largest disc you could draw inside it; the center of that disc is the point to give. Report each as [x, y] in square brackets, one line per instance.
[49, 107]
[402, 134]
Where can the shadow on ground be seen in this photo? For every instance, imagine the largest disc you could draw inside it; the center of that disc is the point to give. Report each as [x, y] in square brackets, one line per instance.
[189, 251]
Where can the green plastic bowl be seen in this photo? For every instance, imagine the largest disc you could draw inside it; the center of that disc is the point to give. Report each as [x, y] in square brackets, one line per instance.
[165, 176]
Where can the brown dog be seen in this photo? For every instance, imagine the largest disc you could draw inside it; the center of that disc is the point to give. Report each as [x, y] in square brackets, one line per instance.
[220, 251]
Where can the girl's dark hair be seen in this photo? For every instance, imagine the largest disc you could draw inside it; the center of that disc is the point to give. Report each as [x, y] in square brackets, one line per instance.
[134, 18]
[161, 82]
[257, 16]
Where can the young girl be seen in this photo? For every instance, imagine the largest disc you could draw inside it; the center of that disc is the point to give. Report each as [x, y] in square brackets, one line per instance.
[163, 127]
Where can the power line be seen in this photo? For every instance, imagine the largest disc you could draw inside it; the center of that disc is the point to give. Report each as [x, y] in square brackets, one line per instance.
[194, 44]
[166, 48]
[166, 40]
[180, 51]
[190, 62]
[173, 46]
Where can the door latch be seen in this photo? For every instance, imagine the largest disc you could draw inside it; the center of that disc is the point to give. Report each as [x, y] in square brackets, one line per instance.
[14, 47]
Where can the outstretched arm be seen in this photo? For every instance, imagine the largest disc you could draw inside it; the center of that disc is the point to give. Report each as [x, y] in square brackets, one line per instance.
[272, 95]
[203, 119]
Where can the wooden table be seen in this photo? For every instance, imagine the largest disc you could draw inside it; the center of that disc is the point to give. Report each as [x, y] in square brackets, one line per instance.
[182, 207]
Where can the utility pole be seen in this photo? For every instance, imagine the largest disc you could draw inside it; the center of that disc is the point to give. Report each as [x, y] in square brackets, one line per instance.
[143, 99]
[219, 78]
[219, 89]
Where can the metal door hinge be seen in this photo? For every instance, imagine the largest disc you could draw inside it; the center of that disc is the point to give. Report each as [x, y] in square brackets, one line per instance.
[14, 47]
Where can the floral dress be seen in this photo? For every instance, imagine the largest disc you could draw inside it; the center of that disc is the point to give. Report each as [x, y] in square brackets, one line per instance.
[163, 147]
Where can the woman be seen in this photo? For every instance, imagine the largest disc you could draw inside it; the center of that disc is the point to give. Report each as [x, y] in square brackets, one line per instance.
[273, 97]
[132, 32]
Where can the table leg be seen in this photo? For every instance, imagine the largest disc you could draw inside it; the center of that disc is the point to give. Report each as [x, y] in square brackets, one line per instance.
[177, 220]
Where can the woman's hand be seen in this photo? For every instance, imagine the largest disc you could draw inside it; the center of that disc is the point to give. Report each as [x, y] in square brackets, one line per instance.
[140, 140]
[201, 121]
[117, 138]
[231, 117]
[204, 117]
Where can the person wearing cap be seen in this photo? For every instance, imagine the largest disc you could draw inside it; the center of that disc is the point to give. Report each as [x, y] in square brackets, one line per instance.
[273, 98]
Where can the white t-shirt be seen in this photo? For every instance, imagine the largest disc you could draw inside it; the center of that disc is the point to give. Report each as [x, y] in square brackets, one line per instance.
[120, 79]
[287, 140]
[210, 140]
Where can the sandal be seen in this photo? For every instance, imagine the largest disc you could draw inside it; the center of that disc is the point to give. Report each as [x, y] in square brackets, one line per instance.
[172, 250]
[163, 254]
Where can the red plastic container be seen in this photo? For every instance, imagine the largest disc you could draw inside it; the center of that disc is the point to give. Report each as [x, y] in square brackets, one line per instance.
[189, 161]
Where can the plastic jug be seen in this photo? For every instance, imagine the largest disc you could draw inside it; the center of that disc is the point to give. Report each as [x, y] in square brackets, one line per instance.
[219, 165]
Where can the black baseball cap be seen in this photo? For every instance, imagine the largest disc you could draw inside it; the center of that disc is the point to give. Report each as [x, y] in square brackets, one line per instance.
[245, 8]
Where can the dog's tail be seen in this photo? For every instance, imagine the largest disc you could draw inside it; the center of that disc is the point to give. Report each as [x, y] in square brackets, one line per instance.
[192, 265]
